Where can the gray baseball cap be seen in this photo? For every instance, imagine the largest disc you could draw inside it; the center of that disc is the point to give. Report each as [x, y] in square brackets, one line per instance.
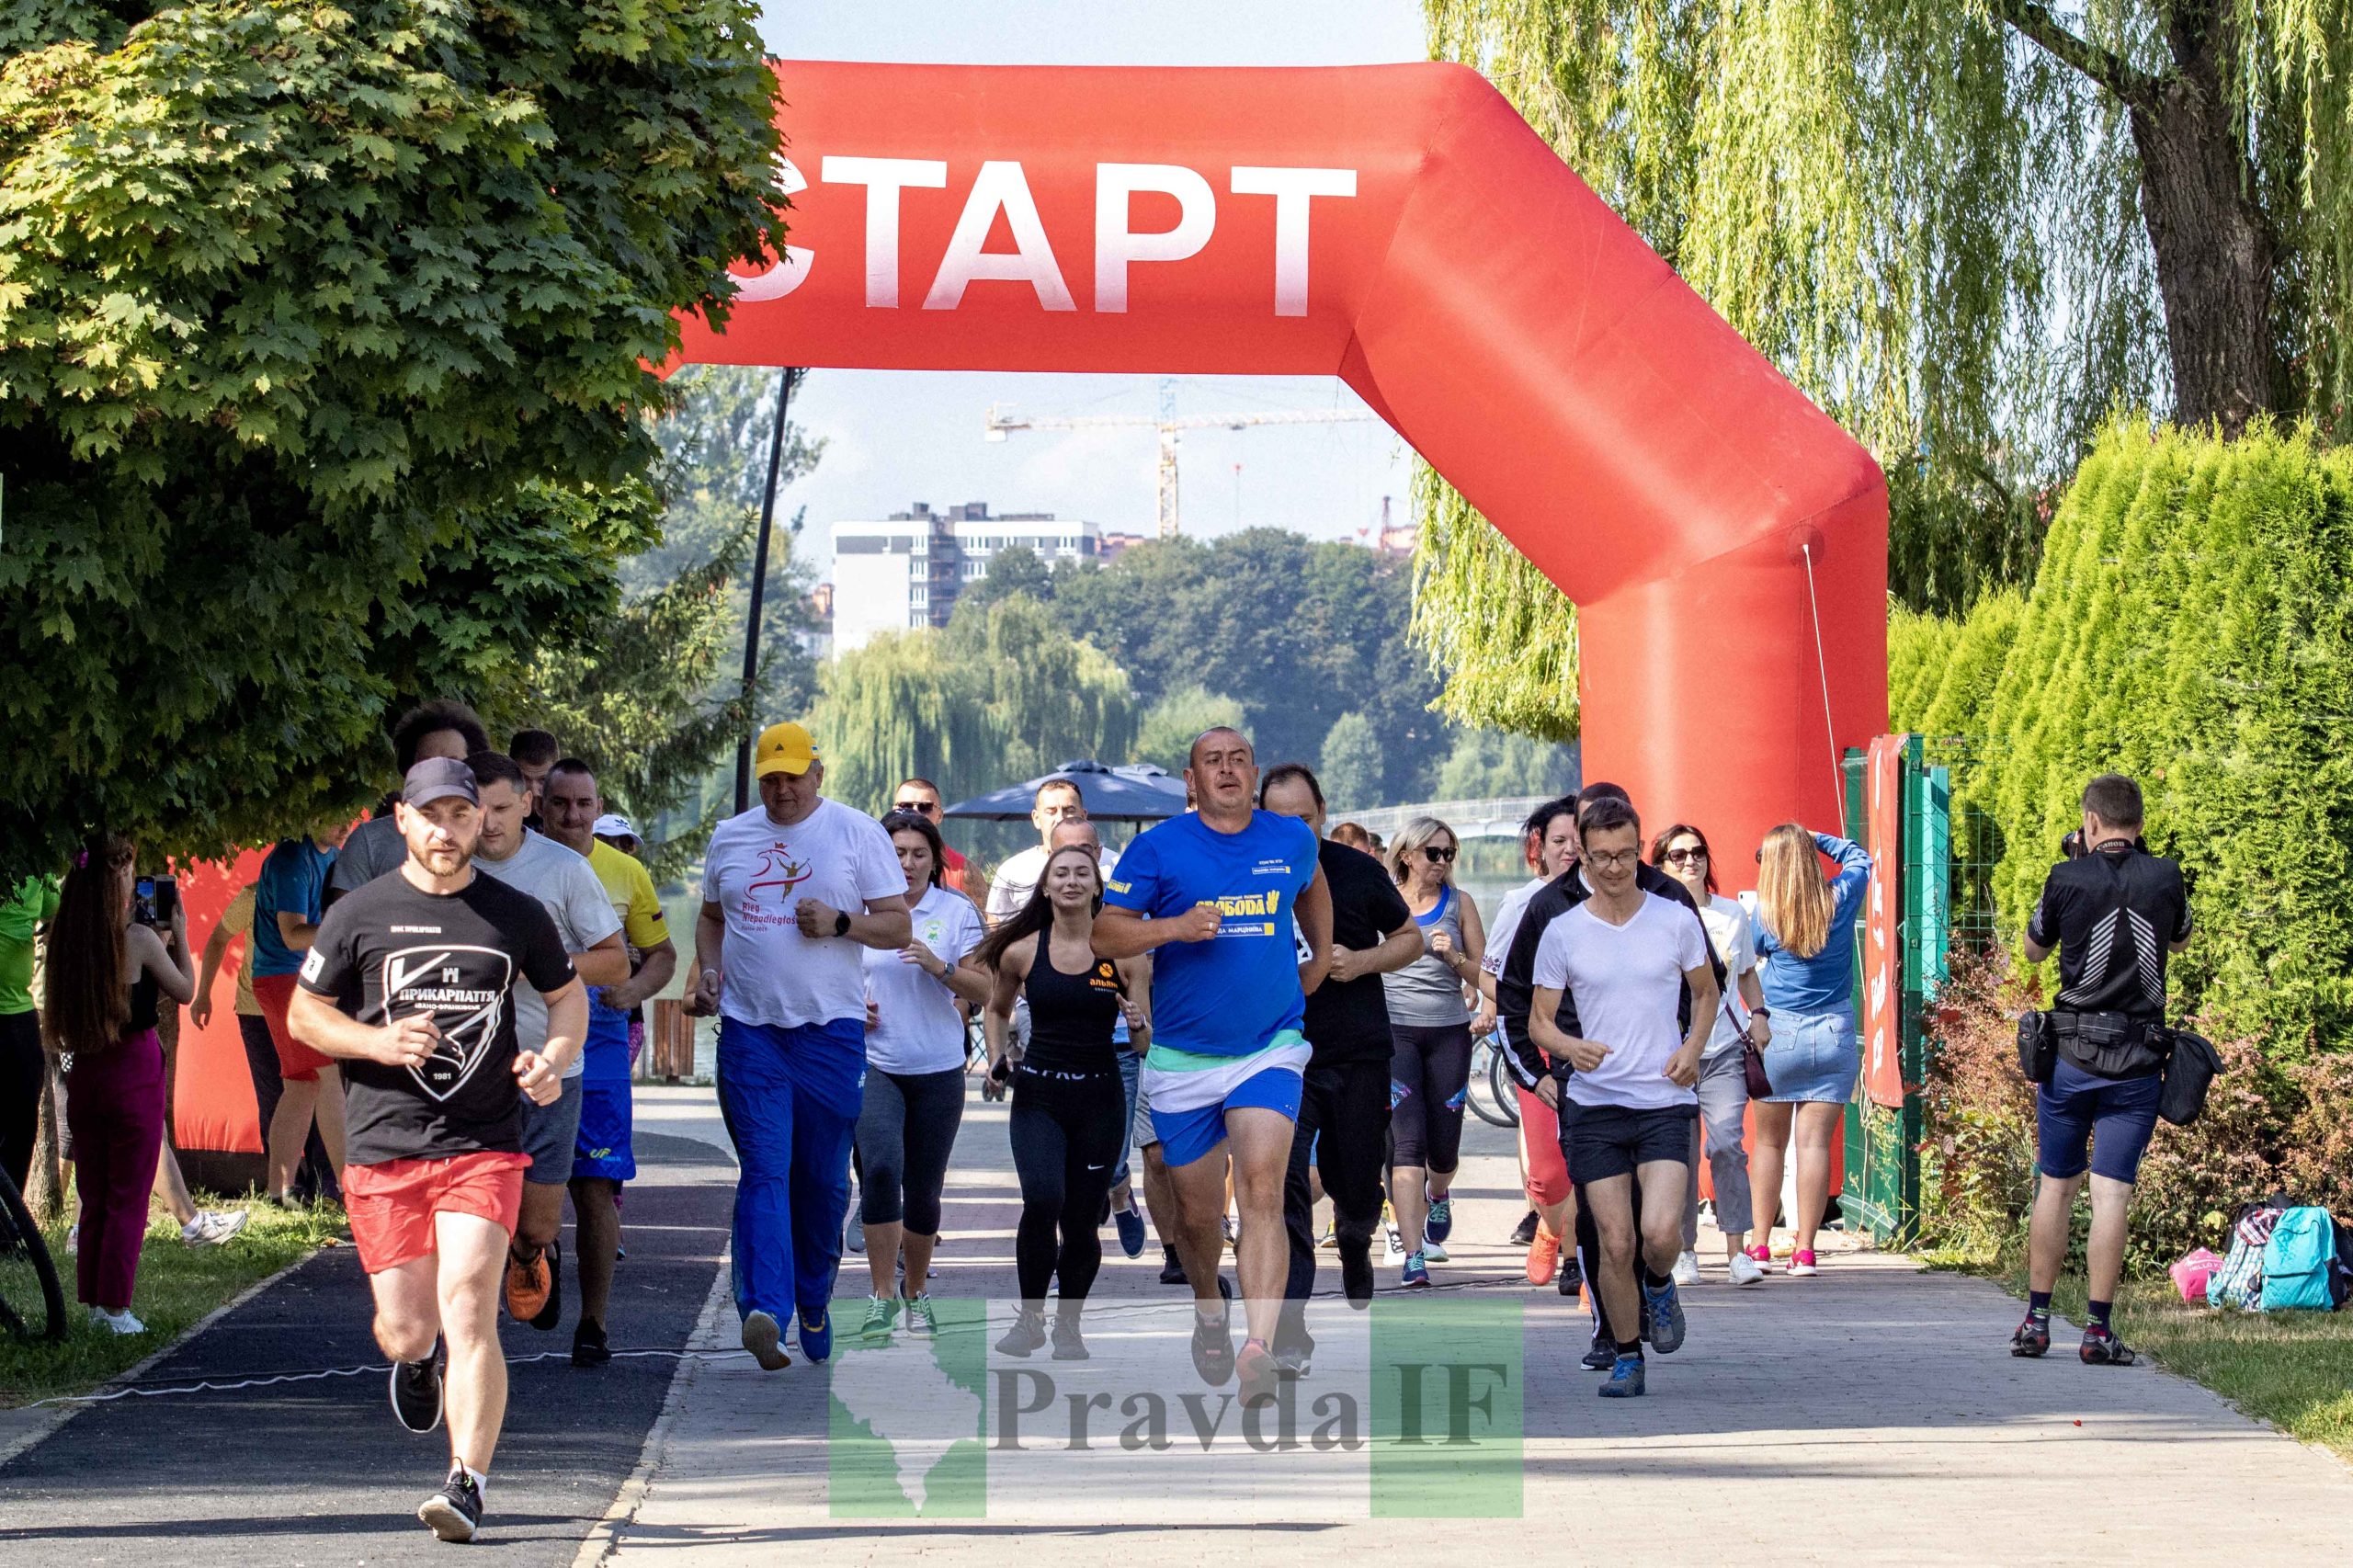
[436, 777]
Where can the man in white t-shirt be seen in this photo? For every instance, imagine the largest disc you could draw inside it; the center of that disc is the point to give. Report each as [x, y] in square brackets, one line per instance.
[792, 892]
[584, 917]
[1058, 802]
[1622, 959]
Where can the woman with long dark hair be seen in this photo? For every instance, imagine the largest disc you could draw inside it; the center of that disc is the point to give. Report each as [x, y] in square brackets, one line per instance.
[1069, 1111]
[105, 974]
[1805, 937]
[913, 1099]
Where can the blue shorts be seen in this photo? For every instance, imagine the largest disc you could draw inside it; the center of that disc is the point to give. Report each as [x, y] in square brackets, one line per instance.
[2115, 1117]
[1186, 1135]
[602, 1152]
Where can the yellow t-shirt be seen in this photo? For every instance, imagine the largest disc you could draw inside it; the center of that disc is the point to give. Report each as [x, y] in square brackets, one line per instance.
[238, 921]
[627, 884]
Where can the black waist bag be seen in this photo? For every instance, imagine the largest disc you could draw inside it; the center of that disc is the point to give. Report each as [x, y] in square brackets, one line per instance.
[2190, 1069]
[2109, 1045]
[2038, 1047]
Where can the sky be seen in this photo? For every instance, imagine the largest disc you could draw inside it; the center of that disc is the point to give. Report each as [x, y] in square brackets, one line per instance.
[895, 438]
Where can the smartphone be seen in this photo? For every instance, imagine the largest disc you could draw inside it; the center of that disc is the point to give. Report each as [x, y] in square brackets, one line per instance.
[167, 899]
[143, 901]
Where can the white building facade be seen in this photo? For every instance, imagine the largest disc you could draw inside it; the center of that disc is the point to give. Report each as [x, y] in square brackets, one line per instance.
[906, 569]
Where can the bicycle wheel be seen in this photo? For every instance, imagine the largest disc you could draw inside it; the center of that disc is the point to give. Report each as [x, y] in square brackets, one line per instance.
[1487, 1072]
[32, 1304]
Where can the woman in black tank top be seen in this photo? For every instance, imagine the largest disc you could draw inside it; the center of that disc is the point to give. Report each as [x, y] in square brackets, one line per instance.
[1069, 1111]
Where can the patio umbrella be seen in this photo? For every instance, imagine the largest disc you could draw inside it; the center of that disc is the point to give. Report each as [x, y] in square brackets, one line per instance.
[1133, 792]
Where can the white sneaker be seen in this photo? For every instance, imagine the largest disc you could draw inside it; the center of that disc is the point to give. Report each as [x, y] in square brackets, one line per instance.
[1433, 1252]
[213, 1226]
[119, 1322]
[1396, 1244]
[1686, 1268]
[74, 1242]
[1744, 1270]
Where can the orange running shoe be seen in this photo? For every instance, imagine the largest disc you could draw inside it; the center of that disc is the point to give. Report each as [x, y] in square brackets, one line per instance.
[528, 1285]
[1543, 1256]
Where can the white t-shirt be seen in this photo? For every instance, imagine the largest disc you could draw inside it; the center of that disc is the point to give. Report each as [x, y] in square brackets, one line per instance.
[1727, 925]
[917, 1028]
[1018, 878]
[1627, 982]
[568, 890]
[758, 873]
[1506, 925]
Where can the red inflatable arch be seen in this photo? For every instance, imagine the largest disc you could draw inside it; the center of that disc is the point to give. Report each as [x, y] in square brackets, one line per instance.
[1400, 227]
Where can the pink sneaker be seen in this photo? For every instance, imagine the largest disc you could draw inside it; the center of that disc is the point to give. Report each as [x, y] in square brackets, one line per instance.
[1801, 1266]
[1761, 1254]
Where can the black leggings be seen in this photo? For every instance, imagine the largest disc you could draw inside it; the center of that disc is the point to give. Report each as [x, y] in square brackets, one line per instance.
[907, 1126]
[24, 1078]
[1342, 1132]
[1067, 1134]
[1428, 1071]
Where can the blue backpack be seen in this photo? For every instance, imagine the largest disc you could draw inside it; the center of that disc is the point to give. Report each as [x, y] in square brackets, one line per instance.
[2301, 1270]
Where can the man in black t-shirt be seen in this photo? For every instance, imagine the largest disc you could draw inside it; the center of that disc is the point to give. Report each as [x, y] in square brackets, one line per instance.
[1344, 1108]
[410, 984]
[2113, 912]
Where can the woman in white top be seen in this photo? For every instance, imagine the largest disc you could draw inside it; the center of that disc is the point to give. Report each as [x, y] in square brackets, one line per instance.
[915, 1077]
[1682, 853]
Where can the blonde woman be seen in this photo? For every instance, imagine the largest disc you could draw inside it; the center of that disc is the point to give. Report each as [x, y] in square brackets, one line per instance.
[1805, 939]
[1431, 1025]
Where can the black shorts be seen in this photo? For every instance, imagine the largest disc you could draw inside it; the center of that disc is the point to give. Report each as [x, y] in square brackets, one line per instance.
[1605, 1141]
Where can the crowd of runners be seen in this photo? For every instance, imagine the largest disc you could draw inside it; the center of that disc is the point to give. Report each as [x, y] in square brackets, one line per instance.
[1240, 1017]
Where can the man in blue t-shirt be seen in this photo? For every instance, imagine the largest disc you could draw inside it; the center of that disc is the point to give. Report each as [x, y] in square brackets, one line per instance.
[1212, 895]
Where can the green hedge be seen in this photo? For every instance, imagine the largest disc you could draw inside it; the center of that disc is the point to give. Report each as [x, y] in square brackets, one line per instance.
[2191, 624]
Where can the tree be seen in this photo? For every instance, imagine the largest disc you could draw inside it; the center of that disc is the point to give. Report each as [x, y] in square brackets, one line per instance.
[323, 337]
[1967, 227]
[1489, 765]
[1169, 726]
[1350, 767]
[1013, 570]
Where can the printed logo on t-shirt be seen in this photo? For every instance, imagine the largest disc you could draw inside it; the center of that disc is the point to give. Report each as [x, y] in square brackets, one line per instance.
[463, 990]
[767, 897]
[1246, 914]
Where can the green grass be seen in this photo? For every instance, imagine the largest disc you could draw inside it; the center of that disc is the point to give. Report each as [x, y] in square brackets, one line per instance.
[2293, 1369]
[178, 1284]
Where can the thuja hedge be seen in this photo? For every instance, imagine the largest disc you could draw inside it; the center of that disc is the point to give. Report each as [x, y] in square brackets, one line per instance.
[2191, 624]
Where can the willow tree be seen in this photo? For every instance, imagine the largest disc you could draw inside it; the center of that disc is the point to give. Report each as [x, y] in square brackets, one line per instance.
[1966, 228]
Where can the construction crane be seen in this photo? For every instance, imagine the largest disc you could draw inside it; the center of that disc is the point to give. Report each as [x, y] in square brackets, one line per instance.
[1003, 421]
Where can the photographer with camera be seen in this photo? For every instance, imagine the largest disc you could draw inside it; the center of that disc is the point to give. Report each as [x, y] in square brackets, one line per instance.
[2112, 911]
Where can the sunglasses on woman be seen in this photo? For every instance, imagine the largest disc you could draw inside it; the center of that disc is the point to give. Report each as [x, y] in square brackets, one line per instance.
[1437, 856]
[1686, 857]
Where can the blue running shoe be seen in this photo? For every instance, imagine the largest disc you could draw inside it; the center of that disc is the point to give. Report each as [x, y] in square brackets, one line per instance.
[1440, 1224]
[1625, 1379]
[1417, 1272]
[817, 1338]
[1666, 1318]
[1130, 1223]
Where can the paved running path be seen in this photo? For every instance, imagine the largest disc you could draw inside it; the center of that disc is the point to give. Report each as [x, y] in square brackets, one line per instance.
[1869, 1413]
[318, 1471]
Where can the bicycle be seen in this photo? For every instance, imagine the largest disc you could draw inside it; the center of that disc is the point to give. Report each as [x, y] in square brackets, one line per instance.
[1491, 1097]
[32, 1305]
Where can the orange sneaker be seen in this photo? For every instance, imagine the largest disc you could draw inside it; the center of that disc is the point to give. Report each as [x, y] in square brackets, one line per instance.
[528, 1285]
[1544, 1257]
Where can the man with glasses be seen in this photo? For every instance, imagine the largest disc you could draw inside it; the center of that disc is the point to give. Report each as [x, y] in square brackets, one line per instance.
[921, 796]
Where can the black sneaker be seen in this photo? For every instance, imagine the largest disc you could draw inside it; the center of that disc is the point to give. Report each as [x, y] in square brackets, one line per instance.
[2102, 1348]
[1171, 1271]
[1602, 1356]
[1356, 1272]
[417, 1393]
[454, 1513]
[1295, 1361]
[2032, 1338]
[1524, 1233]
[589, 1347]
[552, 1314]
[1212, 1347]
[1571, 1276]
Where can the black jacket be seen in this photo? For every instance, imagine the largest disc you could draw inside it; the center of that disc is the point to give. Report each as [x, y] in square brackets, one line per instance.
[1516, 986]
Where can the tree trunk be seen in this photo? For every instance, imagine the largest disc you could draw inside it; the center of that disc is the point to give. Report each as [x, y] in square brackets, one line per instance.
[44, 1192]
[2213, 246]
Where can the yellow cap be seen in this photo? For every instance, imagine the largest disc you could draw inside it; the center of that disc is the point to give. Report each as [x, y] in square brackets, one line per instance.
[783, 748]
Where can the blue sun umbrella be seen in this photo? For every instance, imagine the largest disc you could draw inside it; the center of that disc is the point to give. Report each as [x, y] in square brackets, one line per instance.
[1133, 792]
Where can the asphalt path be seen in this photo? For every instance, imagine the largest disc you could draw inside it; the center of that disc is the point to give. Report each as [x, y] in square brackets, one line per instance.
[318, 1471]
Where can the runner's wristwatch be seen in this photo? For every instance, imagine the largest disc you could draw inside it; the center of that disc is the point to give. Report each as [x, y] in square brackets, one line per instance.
[841, 923]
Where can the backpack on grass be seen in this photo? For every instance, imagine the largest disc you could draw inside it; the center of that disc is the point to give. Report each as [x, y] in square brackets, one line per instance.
[2299, 1264]
[2239, 1282]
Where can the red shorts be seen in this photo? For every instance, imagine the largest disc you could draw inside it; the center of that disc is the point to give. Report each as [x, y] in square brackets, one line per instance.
[297, 1062]
[391, 1205]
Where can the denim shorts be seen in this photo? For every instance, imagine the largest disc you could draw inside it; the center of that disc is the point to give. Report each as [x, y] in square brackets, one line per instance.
[1813, 1058]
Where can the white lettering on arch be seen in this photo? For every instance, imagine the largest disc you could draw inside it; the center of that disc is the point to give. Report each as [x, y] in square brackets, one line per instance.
[1001, 188]
[1117, 246]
